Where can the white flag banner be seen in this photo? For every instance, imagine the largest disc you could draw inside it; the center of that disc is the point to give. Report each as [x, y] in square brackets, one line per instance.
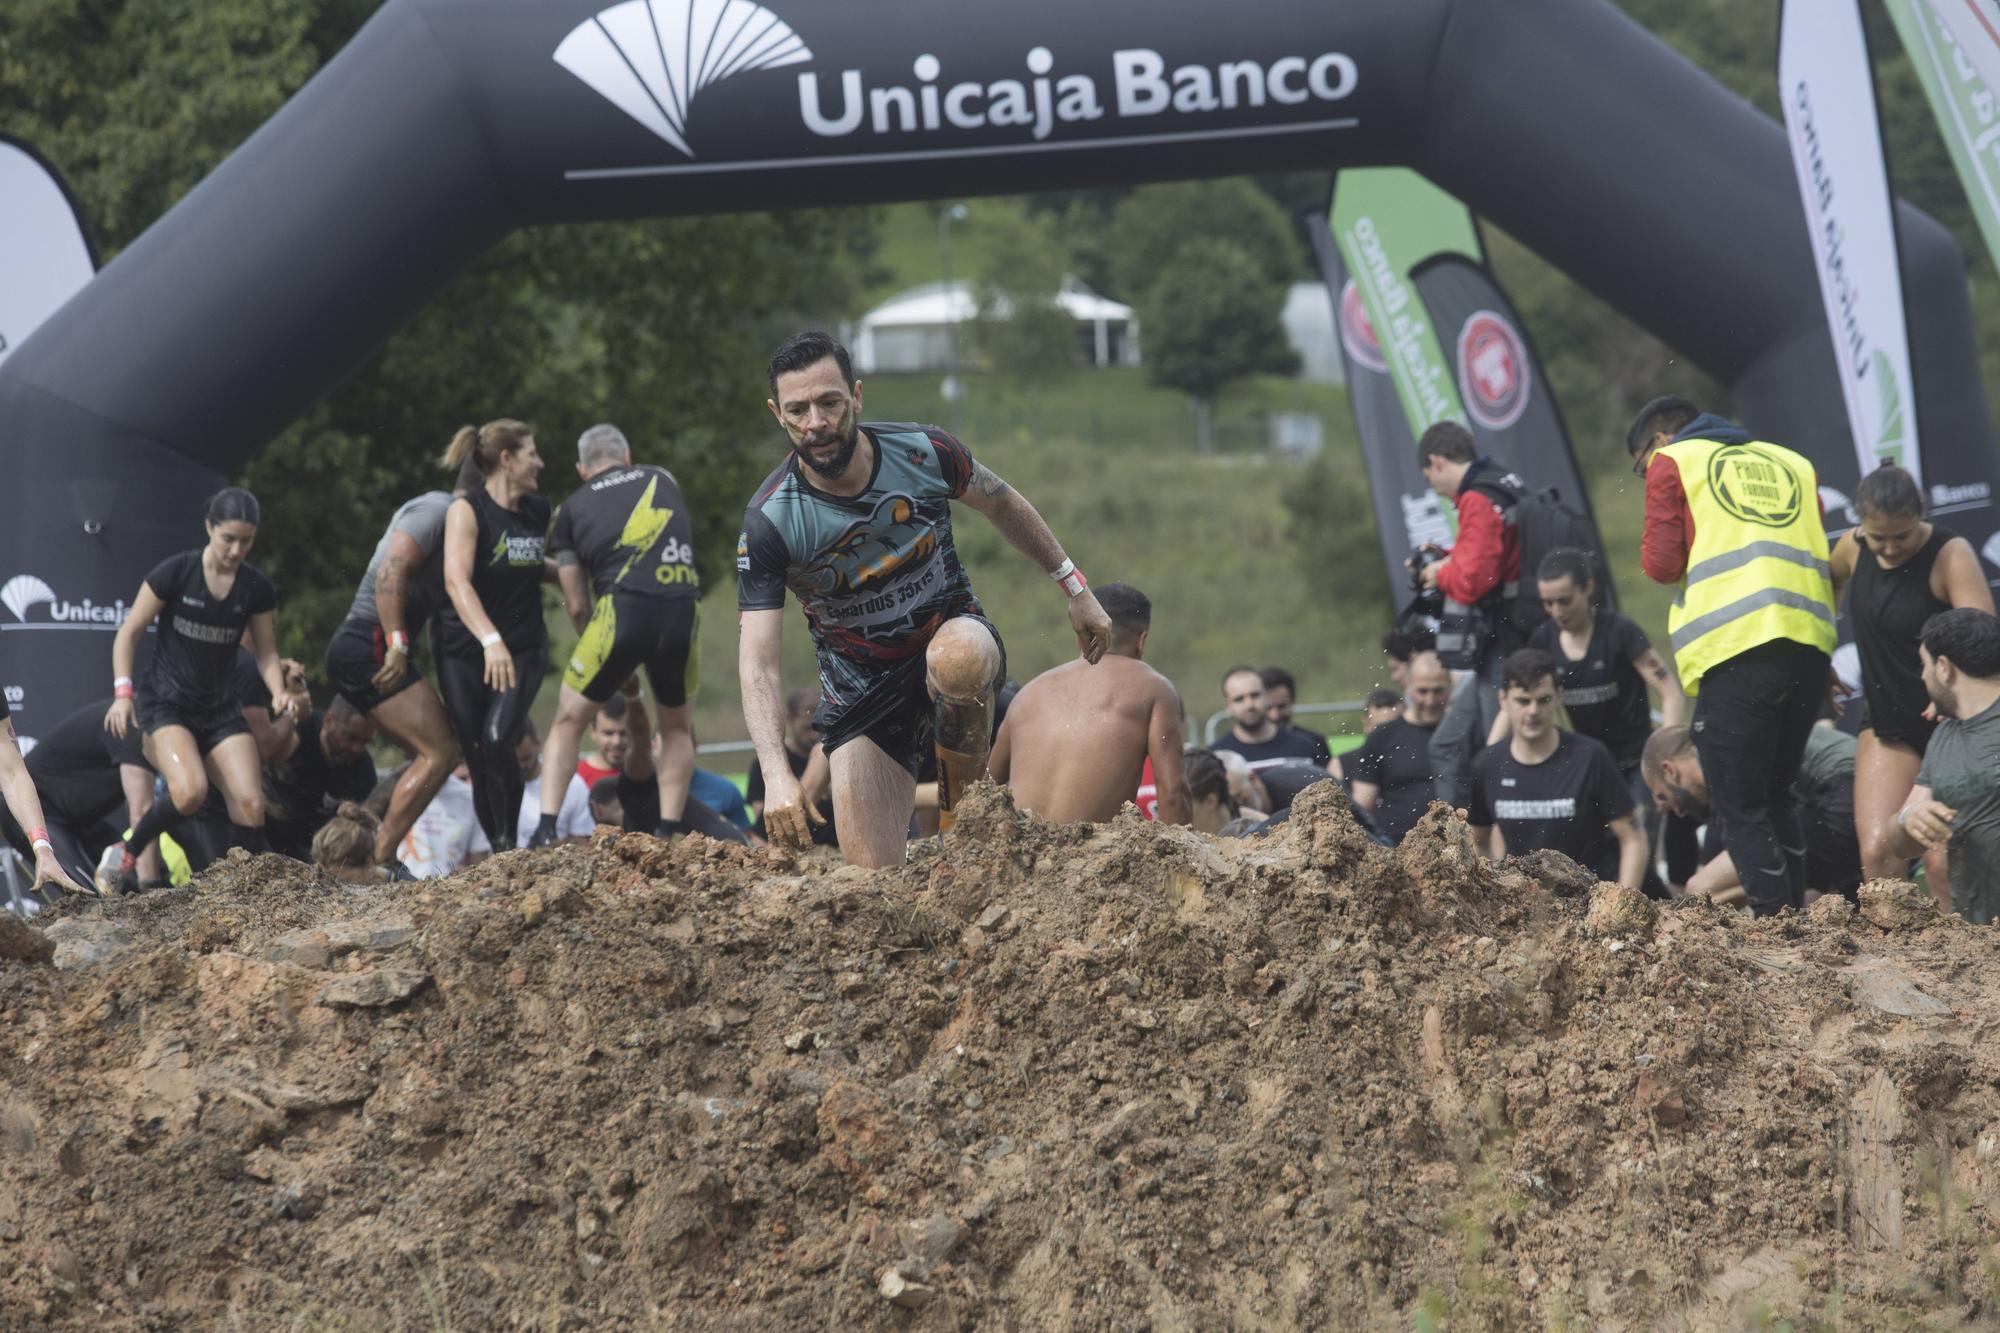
[44, 256]
[1828, 91]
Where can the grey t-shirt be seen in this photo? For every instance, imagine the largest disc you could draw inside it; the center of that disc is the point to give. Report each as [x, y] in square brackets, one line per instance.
[1962, 769]
[422, 520]
[1829, 755]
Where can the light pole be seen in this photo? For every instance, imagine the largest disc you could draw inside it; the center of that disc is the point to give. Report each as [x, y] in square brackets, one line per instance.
[954, 391]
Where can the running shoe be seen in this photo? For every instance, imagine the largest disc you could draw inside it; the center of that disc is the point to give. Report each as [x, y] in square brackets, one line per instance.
[112, 868]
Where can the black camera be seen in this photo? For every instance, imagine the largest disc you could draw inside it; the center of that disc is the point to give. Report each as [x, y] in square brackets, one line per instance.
[1422, 559]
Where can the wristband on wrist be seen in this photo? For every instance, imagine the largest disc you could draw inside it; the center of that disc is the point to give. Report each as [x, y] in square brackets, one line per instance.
[1070, 577]
[399, 641]
[121, 688]
[40, 838]
[488, 640]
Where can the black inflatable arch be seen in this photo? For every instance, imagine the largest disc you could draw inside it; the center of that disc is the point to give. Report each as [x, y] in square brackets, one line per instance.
[447, 123]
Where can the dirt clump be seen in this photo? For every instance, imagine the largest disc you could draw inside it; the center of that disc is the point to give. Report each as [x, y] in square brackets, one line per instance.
[1039, 1076]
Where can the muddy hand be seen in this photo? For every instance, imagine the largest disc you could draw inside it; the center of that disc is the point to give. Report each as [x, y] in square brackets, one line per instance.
[789, 825]
[1092, 626]
[48, 870]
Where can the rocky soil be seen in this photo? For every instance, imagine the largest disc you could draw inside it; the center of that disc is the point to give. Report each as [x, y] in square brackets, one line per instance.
[1042, 1077]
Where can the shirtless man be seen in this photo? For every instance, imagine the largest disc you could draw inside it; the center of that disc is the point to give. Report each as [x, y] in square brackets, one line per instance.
[1077, 735]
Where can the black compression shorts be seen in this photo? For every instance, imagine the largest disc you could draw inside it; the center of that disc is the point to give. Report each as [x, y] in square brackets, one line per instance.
[210, 727]
[353, 655]
[632, 630]
[895, 711]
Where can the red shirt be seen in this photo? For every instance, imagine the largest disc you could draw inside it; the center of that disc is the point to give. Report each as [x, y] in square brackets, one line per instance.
[590, 772]
[1488, 551]
[1148, 797]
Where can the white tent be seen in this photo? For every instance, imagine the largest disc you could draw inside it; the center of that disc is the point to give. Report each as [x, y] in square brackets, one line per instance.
[913, 330]
[1308, 319]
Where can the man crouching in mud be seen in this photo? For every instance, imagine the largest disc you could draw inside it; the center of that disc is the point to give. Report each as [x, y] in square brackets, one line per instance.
[856, 522]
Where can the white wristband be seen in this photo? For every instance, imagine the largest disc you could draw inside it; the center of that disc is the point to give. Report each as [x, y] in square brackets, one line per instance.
[41, 843]
[1070, 577]
[401, 641]
[116, 681]
[488, 640]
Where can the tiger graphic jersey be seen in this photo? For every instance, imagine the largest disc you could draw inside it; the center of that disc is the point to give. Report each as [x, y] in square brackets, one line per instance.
[875, 573]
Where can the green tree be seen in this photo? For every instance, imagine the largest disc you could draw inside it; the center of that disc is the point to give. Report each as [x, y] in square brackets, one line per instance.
[1023, 332]
[1209, 319]
[1152, 224]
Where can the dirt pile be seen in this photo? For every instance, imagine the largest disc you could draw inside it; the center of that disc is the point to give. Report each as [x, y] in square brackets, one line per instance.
[1048, 1077]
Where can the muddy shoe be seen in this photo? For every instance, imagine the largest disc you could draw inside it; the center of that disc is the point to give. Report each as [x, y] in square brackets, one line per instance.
[115, 870]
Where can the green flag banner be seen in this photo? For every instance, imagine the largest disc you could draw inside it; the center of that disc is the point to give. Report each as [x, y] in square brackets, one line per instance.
[1966, 108]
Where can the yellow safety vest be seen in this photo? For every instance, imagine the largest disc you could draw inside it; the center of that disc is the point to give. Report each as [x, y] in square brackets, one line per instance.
[1758, 571]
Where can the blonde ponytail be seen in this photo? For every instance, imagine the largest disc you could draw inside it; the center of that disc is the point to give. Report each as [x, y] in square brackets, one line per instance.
[485, 444]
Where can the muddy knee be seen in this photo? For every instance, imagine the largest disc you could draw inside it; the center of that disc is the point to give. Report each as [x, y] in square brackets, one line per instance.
[963, 660]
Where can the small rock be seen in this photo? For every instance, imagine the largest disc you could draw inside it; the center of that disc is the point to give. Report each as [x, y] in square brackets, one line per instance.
[993, 918]
[298, 1202]
[21, 942]
[853, 985]
[973, 1101]
[902, 1293]
[1619, 913]
[1895, 904]
[932, 1240]
[1830, 910]
[302, 948]
[800, 1040]
[533, 909]
[1659, 1095]
[374, 989]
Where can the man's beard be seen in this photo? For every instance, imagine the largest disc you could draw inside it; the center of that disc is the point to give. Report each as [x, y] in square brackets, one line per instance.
[1946, 700]
[1685, 803]
[833, 468]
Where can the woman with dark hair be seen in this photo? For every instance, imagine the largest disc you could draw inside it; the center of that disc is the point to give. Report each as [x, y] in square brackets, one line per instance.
[1899, 570]
[490, 643]
[187, 705]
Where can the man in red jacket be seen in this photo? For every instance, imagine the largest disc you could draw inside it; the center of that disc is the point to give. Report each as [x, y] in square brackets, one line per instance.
[1482, 563]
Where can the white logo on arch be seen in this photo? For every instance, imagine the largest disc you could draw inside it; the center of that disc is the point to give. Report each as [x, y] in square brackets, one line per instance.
[649, 58]
[24, 591]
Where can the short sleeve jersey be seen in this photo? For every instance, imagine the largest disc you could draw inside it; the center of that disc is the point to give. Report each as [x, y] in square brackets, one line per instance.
[1287, 745]
[194, 661]
[875, 573]
[629, 529]
[1396, 758]
[1962, 769]
[506, 573]
[1603, 691]
[422, 521]
[1562, 804]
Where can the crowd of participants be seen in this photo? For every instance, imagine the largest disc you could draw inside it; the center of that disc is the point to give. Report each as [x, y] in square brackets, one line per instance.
[1516, 694]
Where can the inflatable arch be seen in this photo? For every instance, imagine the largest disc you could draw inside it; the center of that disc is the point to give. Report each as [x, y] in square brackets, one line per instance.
[446, 123]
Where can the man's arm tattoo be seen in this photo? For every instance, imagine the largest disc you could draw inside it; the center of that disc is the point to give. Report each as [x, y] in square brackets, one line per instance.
[988, 484]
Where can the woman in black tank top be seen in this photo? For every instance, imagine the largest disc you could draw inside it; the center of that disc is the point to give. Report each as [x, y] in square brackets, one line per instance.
[1899, 570]
[491, 643]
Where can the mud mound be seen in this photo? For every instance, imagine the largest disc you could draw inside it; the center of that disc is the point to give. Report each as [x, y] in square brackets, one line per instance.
[1045, 1077]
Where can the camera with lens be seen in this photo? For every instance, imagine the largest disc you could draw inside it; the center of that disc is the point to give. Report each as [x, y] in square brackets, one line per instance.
[1422, 559]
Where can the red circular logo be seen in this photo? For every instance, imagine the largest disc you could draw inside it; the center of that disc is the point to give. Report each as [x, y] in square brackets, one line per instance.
[1357, 335]
[1492, 370]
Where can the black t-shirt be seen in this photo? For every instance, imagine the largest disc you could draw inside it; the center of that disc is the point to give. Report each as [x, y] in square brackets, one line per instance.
[305, 790]
[1562, 804]
[1604, 693]
[753, 792]
[247, 682]
[1290, 743]
[629, 528]
[195, 659]
[506, 573]
[74, 769]
[1396, 758]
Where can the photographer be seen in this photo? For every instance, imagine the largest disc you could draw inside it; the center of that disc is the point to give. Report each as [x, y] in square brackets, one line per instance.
[1471, 581]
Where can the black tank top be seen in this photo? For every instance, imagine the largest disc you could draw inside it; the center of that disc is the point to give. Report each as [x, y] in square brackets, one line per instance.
[1888, 608]
[506, 573]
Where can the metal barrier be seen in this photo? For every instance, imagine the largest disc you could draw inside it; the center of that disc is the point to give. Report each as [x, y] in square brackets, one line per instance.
[1216, 721]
